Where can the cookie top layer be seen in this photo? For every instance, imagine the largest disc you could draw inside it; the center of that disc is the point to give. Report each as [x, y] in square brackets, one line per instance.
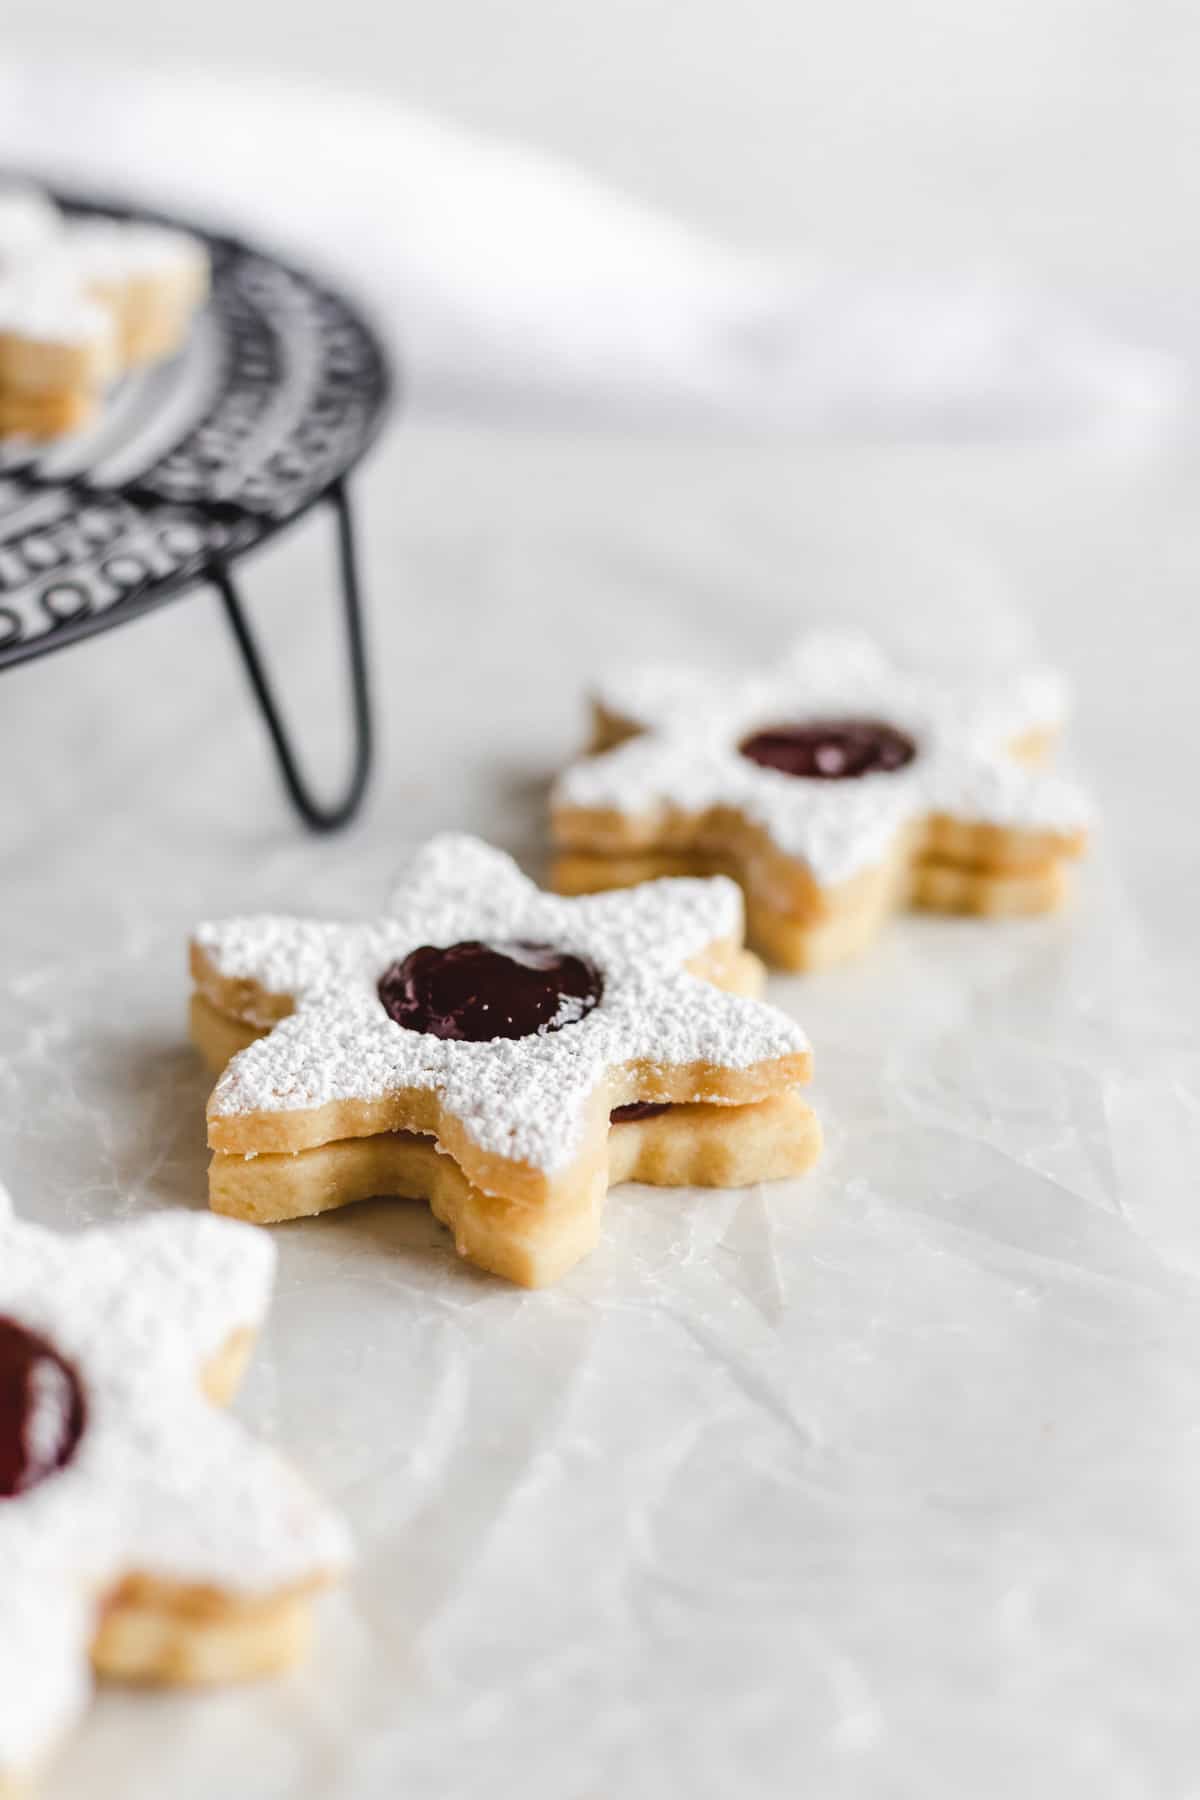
[44, 303]
[159, 1483]
[525, 1099]
[687, 758]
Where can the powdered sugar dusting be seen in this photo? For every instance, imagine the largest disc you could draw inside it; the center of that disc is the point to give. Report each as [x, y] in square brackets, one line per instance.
[688, 762]
[161, 1483]
[57, 275]
[525, 1099]
[44, 305]
[29, 223]
[109, 251]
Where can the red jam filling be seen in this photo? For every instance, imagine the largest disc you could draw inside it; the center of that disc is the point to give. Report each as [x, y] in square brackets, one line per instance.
[477, 991]
[830, 749]
[41, 1410]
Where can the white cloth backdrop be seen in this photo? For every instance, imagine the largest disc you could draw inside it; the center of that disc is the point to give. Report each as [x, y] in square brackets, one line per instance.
[518, 286]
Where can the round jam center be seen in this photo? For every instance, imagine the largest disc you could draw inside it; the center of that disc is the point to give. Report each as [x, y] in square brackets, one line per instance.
[830, 749]
[41, 1410]
[477, 991]
[637, 1109]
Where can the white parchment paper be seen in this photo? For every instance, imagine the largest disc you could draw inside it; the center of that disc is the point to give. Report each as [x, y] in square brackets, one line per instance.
[882, 1483]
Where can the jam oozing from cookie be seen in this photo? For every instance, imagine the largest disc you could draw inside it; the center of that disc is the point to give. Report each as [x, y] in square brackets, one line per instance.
[41, 1410]
[638, 1109]
[478, 991]
[830, 749]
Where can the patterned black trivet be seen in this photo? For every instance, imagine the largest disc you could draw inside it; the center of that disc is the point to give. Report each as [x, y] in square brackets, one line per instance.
[279, 391]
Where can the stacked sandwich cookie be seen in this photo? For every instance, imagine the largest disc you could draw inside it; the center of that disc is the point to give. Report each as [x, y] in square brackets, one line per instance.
[82, 301]
[142, 1532]
[835, 790]
[58, 353]
[502, 1053]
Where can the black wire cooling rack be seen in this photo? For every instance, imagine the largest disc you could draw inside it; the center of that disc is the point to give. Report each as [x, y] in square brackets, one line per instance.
[279, 391]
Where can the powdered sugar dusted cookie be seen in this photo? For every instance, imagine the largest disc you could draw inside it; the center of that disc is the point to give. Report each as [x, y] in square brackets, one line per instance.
[58, 348]
[834, 788]
[140, 1528]
[501, 1052]
[80, 300]
[151, 277]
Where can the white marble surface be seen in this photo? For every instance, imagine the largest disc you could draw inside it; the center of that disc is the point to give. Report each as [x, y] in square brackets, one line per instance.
[885, 1483]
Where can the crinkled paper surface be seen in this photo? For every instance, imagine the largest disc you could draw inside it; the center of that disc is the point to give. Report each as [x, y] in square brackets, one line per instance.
[882, 1483]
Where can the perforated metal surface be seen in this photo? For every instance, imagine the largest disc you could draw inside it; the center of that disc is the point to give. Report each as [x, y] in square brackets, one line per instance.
[278, 392]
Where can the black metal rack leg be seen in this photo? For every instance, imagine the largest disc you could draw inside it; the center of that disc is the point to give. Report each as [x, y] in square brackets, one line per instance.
[319, 817]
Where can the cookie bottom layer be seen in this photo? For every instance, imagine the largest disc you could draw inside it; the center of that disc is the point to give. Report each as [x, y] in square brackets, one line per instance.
[45, 415]
[160, 1634]
[852, 914]
[156, 1631]
[688, 1145]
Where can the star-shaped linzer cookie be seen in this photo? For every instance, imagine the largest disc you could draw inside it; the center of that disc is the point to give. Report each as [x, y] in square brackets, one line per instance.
[142, 1531]
[504, 1054]
[80, 301]
[836, 789]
